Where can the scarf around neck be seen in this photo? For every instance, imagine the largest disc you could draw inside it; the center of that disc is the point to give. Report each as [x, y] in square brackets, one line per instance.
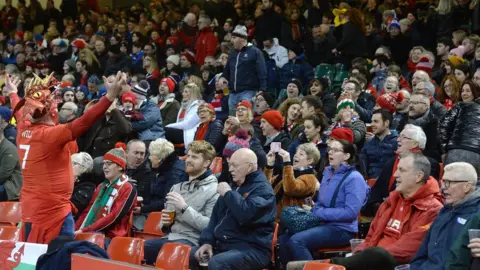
[104, 200]
[420, 121]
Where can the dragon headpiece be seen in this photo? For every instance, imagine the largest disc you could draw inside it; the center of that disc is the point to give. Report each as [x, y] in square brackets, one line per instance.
[39, 97]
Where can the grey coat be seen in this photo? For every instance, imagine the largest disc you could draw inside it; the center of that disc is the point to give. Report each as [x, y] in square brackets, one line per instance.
[201, 196]
[10, 172]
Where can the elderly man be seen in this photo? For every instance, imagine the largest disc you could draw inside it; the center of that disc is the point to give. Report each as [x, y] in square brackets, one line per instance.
[206, 42]
[411, 139]
[419, 114]
[193, 201]
[68, 112]
[428, 89]
[461, 203]
[240, 230]
[458, 133]
[401, 221]
[245, 77]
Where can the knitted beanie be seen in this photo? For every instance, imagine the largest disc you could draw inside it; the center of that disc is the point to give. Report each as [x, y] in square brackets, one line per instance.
[5, 113]
[83, 89]
[425, 65]
[274, 118]
[141, 88]
[238, 141]
[240, 31]
[342, 134]
[190, 56]
[344, 103]
[128, 97]
[170, 83]
[394, 23]
[456, 60]
[298, 83]
[207, 106]
[79, 43]
[118, 156]
[268, 98]
[245, 103]
[175, 59]
[390, 101]
[459, 51]
[67, 89]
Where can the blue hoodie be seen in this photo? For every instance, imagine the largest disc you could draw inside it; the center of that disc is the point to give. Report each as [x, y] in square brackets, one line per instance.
[351, 197]
[244, 217]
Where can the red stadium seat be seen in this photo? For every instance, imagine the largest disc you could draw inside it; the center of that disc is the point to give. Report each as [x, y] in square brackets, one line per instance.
[126, 249]
[96, 238]
[151, 229]
[322, 266]
[174, 256]
[10, 213]
[8, 233]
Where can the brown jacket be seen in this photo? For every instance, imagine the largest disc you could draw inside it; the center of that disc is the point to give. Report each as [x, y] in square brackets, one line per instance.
[295, 191]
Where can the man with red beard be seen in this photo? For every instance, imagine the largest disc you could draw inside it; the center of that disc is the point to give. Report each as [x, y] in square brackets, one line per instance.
[45, 148]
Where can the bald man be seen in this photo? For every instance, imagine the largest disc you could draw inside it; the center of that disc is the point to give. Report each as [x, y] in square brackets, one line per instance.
[240, 230]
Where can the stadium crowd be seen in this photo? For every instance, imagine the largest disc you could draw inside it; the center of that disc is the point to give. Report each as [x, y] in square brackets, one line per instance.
[238, 116]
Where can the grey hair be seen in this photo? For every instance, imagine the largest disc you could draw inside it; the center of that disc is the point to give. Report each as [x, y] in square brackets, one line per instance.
[161, 148]
[189, 16]
[85, 161]
[418, 135]
[424, 98]
[430, 87]
[420, 164]
[463, 170]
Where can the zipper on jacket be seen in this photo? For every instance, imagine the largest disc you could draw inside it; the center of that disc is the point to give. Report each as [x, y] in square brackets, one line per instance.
[226, 213]
[236, 70]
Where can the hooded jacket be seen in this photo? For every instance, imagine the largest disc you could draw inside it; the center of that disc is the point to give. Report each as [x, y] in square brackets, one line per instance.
[150, 127]
[446, 228]
[460, 128]
[375, 153]
[246, 70]
[10, 172]
[419, 212]
[350, 199]
[200, 195]
[277, 53]
[244, 218]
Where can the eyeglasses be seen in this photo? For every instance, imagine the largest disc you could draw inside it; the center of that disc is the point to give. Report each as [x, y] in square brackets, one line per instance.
[334, 150]
[242, 109]
[448, 183]
[403, 137]
[417, 103]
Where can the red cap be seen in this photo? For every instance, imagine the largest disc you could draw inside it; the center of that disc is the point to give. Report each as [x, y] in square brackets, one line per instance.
[342, 134]
[129, 97]
[245, 103]
[209, 107]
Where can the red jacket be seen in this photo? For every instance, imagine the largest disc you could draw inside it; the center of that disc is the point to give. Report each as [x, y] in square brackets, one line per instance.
[115, 223]
[187, 35]
[419, 211]
[206, 45]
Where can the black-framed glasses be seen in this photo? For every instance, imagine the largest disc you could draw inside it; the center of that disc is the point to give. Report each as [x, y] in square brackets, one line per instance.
[448, 183]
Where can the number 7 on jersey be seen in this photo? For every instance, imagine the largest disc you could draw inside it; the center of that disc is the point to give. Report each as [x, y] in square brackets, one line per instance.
[25, 147]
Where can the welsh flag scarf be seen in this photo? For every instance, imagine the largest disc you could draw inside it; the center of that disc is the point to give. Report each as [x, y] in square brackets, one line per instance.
[104, 201]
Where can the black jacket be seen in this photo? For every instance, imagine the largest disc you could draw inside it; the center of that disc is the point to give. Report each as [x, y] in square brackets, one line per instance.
[460, 128]
[214, 135]
[269, 24]
[169, 173]
[329, 104]
[144, 176]
[320, 51]
[353, 41]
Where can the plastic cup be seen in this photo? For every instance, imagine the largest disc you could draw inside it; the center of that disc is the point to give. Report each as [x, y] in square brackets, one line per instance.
[473, 233]
[355, 242]
[139, 201]
[403, 267]
[204, 261]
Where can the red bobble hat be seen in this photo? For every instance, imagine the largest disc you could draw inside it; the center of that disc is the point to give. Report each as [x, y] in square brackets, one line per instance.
[190, 56]
[170, 82]
[129, 97]
[79, 43]
[342, 134]
[389, 101]
[245, 103]
[118, 156]
[274, 118]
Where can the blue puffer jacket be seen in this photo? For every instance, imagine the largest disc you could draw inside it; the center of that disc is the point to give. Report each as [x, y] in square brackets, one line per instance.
[352, 195]
[445, 229]
[295, 69]
[168, 174]
[244, 217]
[375, 153]
[246, 70]
[150, 127]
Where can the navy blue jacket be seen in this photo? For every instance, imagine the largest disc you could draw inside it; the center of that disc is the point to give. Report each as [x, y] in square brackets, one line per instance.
[214, 135]
[295, 69]
[169, 173]
[61, 258]
[376, 153]
[244, 218]
[444, 230]
[246, 70]
[150, 127]
[10, 133]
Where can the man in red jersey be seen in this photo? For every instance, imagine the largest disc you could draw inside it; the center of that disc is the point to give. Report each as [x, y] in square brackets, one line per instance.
[44, 149]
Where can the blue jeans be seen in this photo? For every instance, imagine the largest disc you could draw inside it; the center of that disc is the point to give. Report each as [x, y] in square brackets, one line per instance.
[153, 247]
[68, 227]
[235, 98]
[239, 259]
[297, 247]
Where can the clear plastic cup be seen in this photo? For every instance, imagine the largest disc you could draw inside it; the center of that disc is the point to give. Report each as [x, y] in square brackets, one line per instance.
[403, 267]
[355, 242]
[473, 233]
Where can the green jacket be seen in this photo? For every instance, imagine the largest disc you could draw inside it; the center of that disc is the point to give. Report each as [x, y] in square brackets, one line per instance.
[10, 172]
[459, 256]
